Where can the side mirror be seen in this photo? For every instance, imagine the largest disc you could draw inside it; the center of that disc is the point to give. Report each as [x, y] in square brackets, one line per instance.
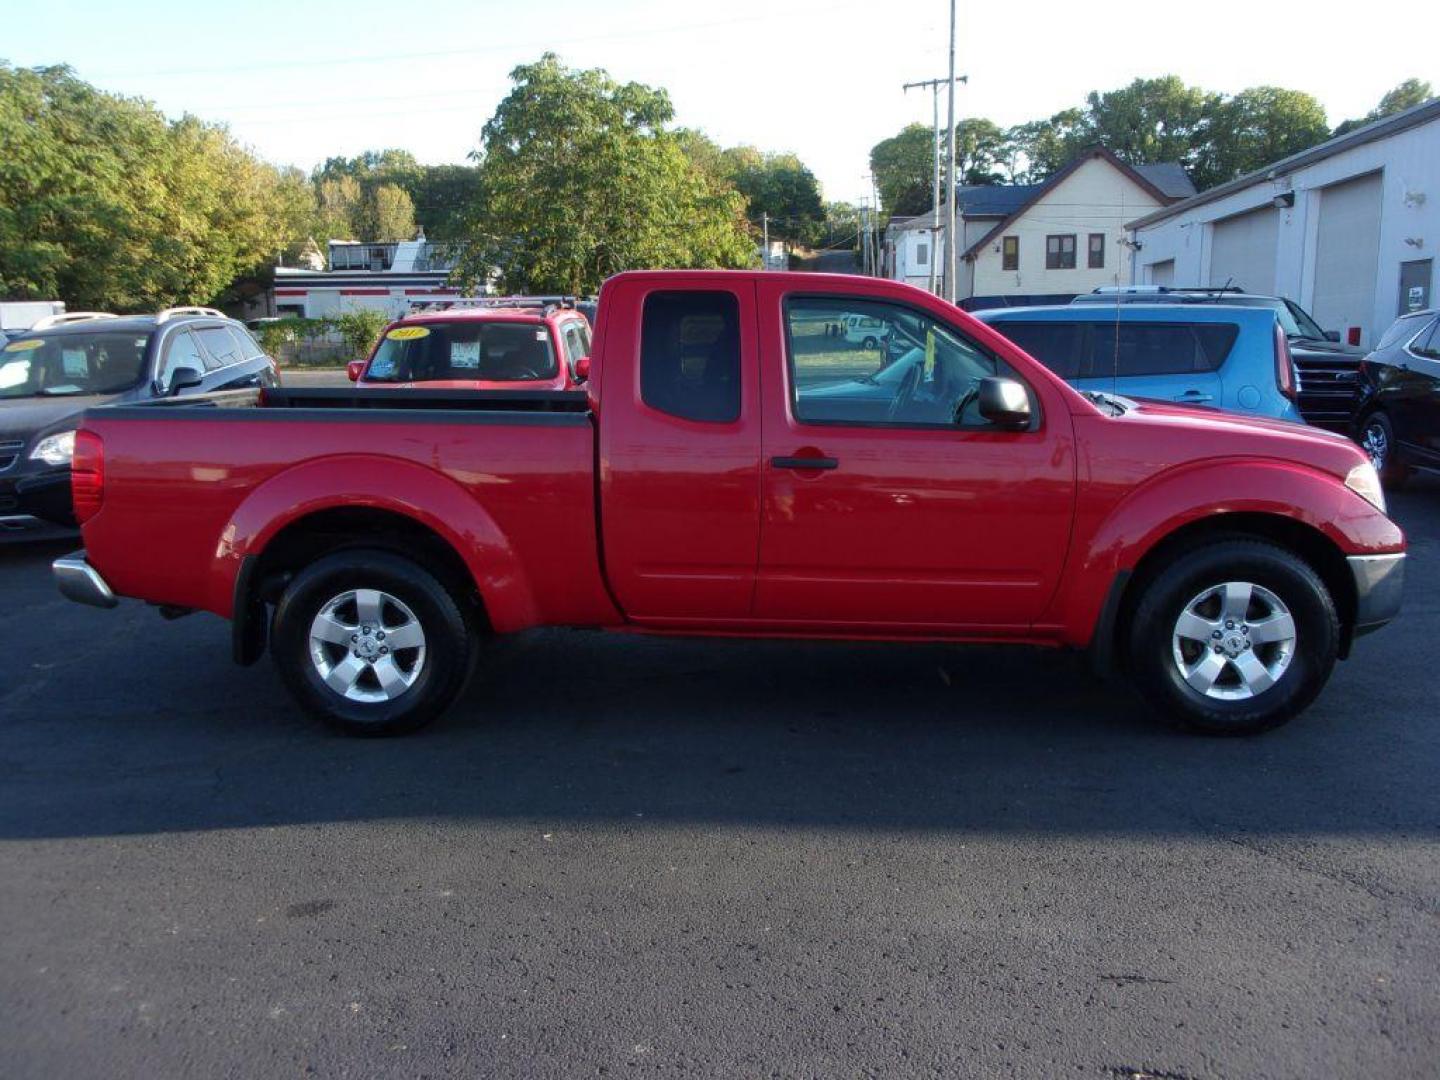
[1332, 335]
[184, 378]
[1004, 402]
[355, 368]
[582, 369]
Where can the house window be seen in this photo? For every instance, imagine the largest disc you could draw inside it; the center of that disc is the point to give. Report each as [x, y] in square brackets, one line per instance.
[1097, 251]
[922, 254]
[1010, 253]
[1060, 252]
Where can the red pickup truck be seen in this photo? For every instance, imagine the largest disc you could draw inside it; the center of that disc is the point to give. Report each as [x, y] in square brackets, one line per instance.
[734, 466]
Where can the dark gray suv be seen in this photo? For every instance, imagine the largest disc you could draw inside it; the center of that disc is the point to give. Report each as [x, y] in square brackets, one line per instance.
[66, 364]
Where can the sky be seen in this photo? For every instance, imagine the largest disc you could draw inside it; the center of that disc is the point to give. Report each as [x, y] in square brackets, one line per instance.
[303, 80]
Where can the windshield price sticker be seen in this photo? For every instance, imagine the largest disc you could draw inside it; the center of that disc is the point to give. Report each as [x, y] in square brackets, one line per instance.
[408, 333]
[24, 346]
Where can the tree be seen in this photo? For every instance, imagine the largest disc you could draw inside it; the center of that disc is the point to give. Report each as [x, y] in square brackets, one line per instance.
[580, 179]
[106, 204]
[980, 150]
[903, 166]
[778, 185]
[1151, 120]
[1046, 146]
[1256, 127]
[1408, 94]
[441, 195]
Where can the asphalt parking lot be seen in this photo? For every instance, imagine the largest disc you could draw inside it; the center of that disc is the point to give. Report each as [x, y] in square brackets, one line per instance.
[676, 857]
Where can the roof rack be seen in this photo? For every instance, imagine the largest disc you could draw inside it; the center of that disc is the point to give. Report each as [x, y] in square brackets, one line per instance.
[448, 303]
[1146, 290]
[175, 312]
[71, 317]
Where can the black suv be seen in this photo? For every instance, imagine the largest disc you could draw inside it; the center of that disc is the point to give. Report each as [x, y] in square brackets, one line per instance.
[1399, 414]
[1327, 371]
[65, 364]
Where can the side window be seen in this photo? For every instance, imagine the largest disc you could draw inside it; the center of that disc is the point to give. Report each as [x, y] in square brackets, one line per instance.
[247, 345]
[1146, 348]
[220, 345]
[1057, 345]
[181, 351]
[1010, 253]
[1060, 252]
[690, 355]
[574, 349]
[1428, 343]
[906, 369]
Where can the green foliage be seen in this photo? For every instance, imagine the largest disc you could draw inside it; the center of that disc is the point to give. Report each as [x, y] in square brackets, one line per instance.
[372, 196]
[778, 185]
[360, 329]
[1256, 127]
[904, 170]
[106, 204]
[1407, 95]
[580, 179]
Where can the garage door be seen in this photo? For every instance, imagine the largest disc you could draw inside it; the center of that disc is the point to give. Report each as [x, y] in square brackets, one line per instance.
[1347, 255]
[1242, 250]
[1162, 273]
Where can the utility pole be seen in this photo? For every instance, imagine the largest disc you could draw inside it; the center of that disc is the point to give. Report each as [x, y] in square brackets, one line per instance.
[765, 242]
[950, 198]
[934, 85]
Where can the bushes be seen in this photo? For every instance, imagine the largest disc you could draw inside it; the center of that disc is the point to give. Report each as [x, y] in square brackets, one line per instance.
[329, 342]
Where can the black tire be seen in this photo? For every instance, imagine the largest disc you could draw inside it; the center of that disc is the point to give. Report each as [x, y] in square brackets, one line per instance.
[448, 642]
[870, 343]
[1393, 473]
[1151, 645]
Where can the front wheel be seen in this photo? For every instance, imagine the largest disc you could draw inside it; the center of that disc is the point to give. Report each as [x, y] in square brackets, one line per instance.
[371, 643]
[1377, 439]
[1234, 638]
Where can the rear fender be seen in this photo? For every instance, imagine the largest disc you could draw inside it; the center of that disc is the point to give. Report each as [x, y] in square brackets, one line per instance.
[380, 483]
[1209, 490]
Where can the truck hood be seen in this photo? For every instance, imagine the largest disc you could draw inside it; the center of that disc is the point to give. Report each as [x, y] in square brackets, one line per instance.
[1310, 349]
[1213, 433]
[24, 418]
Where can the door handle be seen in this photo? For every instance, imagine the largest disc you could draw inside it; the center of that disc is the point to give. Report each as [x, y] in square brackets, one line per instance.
[805, 462]
[1194, 395]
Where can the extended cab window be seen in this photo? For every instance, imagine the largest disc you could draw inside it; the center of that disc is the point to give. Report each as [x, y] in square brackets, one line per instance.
[1057, 345]
[862, 361]
[690, 355]
[464, 350]
[1148, 348]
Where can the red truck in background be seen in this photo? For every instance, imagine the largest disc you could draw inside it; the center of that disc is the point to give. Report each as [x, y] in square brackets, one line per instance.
[734, 466]
[510, 343]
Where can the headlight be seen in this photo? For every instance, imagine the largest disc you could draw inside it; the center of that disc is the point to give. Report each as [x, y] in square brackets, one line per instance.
[1365, 482]
[55, 449]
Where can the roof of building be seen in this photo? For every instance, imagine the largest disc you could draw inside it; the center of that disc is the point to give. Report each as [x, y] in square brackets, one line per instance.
[1170, 177]
[993, 200]
[1380, 129]
[1039, 191]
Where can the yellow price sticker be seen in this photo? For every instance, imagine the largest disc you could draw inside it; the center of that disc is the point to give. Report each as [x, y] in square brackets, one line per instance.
[408, 333]
[24, 346]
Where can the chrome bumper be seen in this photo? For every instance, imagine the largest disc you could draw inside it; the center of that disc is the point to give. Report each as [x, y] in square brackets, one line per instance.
[1379, 583]
[77, 580]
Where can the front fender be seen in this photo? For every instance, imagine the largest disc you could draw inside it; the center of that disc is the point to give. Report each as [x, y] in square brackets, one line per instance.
[381, 483]
[1210, 489]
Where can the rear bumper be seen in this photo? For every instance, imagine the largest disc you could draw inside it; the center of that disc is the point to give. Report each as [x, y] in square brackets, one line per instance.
[1379, 583]
[79, 581]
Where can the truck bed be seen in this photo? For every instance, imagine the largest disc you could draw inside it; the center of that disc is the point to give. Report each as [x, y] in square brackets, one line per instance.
[195, 485]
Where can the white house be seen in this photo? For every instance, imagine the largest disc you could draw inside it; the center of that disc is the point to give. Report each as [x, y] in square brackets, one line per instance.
[1026, 243]
[386, 277]
[1347, 228]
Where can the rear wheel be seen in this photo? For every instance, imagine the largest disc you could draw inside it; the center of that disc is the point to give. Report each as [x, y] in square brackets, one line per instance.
[1377, 439]
[1234, 638]
[371, 643]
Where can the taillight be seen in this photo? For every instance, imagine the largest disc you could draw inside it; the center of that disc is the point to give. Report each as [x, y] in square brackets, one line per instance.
[87, 475]
[1284, 366]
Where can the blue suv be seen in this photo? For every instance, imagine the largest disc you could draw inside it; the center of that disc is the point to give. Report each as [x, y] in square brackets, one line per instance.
[1232, 358]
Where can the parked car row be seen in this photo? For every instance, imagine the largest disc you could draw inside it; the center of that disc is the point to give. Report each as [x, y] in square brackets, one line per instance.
[64, 364]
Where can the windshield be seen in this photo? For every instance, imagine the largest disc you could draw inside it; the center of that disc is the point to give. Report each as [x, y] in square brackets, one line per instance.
[66, 364]
[481, 351]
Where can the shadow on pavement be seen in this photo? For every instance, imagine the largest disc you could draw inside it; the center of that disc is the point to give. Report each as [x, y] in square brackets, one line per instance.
[120, 723]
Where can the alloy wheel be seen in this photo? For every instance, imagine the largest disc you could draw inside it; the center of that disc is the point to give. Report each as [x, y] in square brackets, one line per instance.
[1233, 641]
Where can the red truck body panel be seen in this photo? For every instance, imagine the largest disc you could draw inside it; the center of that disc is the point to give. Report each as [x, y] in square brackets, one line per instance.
[920, 532]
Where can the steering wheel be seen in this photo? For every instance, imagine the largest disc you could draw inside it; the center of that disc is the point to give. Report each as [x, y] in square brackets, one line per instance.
[905, 394]
[966, 399]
